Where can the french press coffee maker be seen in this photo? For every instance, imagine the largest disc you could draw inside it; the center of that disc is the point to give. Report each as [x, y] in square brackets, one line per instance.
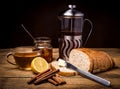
[72, 22]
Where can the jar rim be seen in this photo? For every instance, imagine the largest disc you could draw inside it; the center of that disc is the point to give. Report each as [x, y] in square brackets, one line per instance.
[42, 39]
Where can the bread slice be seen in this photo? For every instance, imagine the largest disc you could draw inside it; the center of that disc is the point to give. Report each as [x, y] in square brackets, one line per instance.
[81, 59]
[63, 70]
[90, 60]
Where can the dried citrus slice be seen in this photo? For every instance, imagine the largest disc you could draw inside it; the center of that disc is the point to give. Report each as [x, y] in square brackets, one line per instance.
[39, 65]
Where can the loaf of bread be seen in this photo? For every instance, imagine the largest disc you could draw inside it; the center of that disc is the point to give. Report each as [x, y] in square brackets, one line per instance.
[91, 60]
[86, 59]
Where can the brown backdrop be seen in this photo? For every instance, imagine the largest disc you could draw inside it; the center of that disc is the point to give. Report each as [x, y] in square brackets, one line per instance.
[40, 18]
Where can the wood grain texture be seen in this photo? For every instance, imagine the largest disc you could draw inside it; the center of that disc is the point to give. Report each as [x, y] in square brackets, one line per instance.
[13, 78]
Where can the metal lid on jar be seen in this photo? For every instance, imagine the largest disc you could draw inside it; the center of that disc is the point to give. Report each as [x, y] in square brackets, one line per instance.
[42, 39]
[72, 11]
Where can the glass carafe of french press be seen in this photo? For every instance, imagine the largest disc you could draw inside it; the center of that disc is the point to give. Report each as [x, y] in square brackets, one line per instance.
[72, 22]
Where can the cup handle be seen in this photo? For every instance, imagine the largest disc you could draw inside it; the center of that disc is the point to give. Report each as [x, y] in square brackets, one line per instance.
[89, 31]
[8, 59]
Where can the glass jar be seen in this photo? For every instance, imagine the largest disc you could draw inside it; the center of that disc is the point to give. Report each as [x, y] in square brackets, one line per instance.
[43, 44]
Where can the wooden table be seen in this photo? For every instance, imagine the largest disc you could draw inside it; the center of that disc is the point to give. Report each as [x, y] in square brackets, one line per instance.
[13, 78]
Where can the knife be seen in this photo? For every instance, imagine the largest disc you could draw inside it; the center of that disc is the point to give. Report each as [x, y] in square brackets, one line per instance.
[87, 74]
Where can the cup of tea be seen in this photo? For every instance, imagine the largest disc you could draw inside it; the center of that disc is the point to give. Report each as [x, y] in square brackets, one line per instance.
[22, 56]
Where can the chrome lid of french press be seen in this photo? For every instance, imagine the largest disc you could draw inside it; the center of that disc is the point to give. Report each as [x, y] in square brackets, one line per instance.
[72, 11]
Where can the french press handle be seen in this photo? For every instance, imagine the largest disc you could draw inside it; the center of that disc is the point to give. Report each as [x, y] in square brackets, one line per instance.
[90, 31]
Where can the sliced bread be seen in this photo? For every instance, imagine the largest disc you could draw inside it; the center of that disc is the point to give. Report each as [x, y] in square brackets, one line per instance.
[91, 60]
[63, 70]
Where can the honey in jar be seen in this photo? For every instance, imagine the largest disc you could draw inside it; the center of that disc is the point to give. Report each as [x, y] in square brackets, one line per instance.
[43, 44]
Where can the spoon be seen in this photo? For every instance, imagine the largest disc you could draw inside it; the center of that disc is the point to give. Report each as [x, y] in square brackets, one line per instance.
[28, 32]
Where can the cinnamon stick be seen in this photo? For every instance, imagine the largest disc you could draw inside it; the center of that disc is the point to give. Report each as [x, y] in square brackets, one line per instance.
[53, 81]
[43, 75]
[34, 78]
[58, 79]
[46, 76]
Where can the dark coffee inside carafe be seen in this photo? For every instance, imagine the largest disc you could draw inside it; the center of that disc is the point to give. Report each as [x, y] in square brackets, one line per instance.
[71, 24]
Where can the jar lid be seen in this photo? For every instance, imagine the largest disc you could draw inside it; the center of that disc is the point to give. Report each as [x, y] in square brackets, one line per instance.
[72, 11]
[42, 39]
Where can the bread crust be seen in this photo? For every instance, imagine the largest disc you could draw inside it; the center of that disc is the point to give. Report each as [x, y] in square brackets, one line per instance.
[110, 59]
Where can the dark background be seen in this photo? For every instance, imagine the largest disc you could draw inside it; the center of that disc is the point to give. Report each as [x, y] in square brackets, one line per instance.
[41, 19]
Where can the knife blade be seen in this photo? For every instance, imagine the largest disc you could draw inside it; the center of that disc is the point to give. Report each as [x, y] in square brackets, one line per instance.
[88, 74]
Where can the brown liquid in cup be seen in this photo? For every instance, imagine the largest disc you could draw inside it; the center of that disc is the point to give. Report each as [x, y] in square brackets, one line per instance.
[23, 60]
[23, 57]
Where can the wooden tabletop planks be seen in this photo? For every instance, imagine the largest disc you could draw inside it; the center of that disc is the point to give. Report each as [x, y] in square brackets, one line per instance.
[13, 78]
